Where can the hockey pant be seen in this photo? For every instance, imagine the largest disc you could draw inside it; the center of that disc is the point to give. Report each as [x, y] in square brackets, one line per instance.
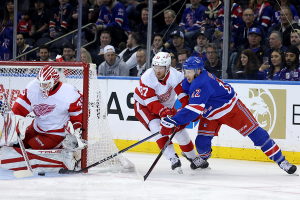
[37, 140]
[242, 120]
[152, 122]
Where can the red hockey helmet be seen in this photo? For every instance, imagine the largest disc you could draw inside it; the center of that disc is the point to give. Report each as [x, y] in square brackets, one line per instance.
[47, 79]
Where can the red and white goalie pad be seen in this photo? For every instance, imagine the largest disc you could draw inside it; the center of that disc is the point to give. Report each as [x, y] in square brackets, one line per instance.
[40, 160]
[13, 124]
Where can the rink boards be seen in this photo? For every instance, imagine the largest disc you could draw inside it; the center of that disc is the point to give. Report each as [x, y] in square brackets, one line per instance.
[275, 105]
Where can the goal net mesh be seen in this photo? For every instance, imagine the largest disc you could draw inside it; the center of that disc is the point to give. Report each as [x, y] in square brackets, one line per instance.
[100, 138]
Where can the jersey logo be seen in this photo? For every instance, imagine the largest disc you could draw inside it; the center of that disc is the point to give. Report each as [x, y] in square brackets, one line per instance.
[287, 75]
[6, 42]
[166, 96]
[120, 11]
[189, 19]
[43, 109]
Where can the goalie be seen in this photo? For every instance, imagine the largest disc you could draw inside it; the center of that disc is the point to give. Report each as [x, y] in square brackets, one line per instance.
[54, 103]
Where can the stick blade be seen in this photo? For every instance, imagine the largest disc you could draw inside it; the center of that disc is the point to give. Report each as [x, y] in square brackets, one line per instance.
[142, 178]
[23, 173]
[66, 171]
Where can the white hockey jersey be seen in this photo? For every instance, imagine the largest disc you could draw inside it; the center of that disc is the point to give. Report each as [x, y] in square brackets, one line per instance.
[156, 94]
[63, 104]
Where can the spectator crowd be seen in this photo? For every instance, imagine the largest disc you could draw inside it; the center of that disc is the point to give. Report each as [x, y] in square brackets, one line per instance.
[264, 42]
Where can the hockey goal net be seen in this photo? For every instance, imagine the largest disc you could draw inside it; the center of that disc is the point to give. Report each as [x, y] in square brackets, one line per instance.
[16, 75]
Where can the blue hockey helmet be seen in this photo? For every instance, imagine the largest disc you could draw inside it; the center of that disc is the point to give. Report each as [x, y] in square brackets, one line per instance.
[193, 62]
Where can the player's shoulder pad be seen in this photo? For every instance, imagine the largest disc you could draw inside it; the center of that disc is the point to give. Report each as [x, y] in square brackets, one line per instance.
[69, 93]
[200, 81]
[174, 74]
[149, 79]
[33, 85]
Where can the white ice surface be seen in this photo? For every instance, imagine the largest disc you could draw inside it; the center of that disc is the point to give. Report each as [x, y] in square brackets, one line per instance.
[227, 179]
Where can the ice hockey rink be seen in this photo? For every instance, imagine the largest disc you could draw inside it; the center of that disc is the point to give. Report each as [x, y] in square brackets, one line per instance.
[227, 179]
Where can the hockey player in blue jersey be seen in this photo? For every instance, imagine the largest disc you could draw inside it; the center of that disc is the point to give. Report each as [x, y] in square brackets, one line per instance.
[216, 103]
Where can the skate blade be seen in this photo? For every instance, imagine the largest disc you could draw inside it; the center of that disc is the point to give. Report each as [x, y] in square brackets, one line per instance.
[179, 170]
[200, 169]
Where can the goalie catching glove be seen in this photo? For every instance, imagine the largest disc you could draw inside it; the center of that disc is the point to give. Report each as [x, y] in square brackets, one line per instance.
[73, 142]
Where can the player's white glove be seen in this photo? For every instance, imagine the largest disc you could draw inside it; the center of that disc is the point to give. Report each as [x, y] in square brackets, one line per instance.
[72, 143]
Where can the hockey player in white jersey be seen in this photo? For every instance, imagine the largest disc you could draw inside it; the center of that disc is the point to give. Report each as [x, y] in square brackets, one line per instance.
[155, 98]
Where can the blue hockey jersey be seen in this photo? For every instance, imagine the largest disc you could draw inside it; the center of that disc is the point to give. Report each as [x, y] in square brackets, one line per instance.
[6, 38]
[116, 17]
[192, 18]
[10, 25]
[210, 15]
[5, 54]
[263, 14]
[209, 96]
[60, 18]
[236, 18]
[276, 15]
[265, 75]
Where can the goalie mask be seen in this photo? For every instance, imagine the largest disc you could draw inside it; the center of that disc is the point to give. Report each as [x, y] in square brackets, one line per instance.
[47, 79]
[162, 59]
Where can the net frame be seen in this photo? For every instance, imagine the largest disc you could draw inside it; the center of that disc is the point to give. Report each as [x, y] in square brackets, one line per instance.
[85, 159]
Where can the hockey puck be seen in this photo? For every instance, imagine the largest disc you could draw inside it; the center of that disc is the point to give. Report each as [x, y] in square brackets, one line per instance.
[41, 174]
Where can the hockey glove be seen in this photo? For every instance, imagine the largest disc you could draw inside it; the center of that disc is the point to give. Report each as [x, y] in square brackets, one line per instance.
[164, 112]
[73, 143]
[168, 125]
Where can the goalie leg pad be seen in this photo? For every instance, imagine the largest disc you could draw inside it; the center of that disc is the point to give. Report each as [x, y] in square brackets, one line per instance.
[69, 159]
[40, 160]
[13, 124]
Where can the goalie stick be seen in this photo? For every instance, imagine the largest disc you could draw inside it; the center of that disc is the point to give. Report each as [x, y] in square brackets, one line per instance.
[66, 171]
[143, 178]
[29, 171]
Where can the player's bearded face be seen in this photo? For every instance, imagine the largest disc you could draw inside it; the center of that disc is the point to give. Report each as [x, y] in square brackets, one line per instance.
[159, 71]
[189, 74]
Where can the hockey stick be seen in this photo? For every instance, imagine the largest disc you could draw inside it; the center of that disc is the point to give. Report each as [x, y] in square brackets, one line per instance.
[66, 171]
[28, 172]
[143, 178]
[20, 173]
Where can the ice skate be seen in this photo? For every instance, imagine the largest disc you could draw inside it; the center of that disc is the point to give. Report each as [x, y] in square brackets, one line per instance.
[176, 164]
[193, 165]
[288, 167]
